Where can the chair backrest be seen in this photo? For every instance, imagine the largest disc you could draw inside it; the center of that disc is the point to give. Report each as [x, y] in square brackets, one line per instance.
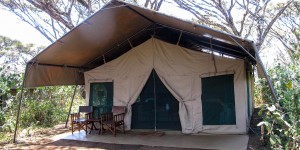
[118, 109]
[86, 109]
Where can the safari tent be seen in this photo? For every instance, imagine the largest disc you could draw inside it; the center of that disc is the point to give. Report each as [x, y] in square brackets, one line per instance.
[165, 86]
[171, 74]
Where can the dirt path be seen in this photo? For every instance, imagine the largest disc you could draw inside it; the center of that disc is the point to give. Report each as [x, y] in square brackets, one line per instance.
[38, 137]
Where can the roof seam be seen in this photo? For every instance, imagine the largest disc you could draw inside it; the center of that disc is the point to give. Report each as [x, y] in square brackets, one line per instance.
[127, 6]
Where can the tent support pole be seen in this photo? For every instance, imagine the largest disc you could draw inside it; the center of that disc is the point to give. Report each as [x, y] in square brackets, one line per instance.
[119, 44]
[243, 47]
[71, 105]
[265, 74]
[104, 61]
[258, 60]
[130, 43]
[20, 103]
[179, 38]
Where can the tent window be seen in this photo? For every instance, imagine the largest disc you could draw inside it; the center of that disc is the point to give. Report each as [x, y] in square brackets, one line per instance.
[101, 97]
[218, 103]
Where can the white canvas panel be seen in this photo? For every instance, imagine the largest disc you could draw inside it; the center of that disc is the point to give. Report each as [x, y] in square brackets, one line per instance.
[180, 70]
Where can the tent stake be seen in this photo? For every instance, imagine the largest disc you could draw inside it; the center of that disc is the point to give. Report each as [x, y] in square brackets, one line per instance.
[20, 103]
[71, 105]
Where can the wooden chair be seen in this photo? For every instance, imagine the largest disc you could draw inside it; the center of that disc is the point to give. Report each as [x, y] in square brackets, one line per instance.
[77, 122]
[112, 120]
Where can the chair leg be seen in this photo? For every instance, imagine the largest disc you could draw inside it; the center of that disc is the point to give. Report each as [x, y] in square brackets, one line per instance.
[81, 126]
[114, 130]
[100, 130]
[124, 128]
[86, 128]
[72, 128]
[93, 127]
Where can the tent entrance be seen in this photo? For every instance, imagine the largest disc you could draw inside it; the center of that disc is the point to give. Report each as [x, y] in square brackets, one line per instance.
[101, 97]
[156, 107]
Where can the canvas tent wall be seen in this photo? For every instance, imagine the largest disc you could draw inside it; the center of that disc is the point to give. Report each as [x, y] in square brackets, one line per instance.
[181, 71]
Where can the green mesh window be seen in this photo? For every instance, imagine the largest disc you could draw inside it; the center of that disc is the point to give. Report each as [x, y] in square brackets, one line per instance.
[101, 97]
[218, 104]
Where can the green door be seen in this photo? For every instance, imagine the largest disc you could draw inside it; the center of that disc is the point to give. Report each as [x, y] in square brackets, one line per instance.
[101, 97]
[156, 107]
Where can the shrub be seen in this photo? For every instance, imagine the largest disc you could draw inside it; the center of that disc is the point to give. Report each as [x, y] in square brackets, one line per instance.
[41, 107]
[281, 119]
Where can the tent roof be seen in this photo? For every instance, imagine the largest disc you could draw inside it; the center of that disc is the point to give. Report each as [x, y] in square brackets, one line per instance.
[114, 30]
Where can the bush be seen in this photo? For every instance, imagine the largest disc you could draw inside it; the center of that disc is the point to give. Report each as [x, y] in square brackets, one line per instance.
[41, 107]
[2, 119]
[281, 119]
[48, 106]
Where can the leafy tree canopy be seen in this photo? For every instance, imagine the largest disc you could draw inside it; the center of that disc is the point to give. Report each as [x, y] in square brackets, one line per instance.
[14, 54]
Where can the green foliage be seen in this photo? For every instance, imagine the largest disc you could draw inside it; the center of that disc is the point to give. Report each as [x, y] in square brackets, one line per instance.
[41, 107]
[7, 81]
[47, 106]
[261, 93]
[281, 120]
[14, 53]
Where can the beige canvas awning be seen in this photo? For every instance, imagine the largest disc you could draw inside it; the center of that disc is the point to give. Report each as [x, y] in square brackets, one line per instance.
[114, 30]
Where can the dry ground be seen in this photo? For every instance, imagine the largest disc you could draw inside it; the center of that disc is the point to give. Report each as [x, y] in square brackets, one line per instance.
[254, 142]
[41, 139]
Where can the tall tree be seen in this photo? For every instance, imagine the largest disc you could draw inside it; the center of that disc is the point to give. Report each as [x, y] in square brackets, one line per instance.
[153, 4]
[287, 31]
[53, 18]
[13, 57]
[243, 18]
[14, 54]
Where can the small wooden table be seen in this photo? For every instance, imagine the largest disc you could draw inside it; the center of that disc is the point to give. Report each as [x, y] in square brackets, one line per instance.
[92, 121]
